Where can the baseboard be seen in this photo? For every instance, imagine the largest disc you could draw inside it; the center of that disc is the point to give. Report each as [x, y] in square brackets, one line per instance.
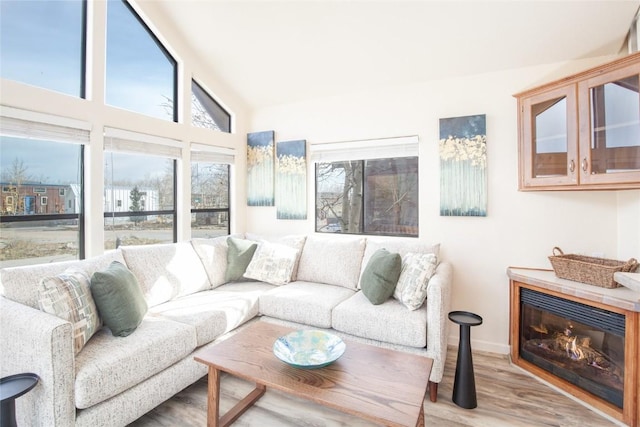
[480, 345]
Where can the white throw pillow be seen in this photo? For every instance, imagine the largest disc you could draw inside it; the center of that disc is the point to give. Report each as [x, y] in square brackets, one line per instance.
[417, 269]
[334, 260]
[272, 263]
[213, 254]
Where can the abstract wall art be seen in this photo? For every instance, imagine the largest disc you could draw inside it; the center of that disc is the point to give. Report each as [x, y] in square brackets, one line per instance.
[463, 166]
[260, 168]
[291, 179]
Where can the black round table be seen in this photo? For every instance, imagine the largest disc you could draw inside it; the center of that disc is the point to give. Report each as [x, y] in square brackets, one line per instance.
[464, 385]
[11, 388]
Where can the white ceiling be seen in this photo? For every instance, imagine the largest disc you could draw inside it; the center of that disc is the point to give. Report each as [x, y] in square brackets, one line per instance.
[273, 52]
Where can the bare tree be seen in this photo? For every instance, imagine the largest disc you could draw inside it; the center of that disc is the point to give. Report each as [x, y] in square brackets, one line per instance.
[344, 202]
[200, 117]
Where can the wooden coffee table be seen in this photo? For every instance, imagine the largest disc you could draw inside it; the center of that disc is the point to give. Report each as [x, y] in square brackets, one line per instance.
[380, 385]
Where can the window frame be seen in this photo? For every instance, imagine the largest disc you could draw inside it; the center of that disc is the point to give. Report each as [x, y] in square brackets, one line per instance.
[216, 210]
[402, 147]
[363, 205]
[173, 212]
[165, 52]
[80, 216]
[229, 123]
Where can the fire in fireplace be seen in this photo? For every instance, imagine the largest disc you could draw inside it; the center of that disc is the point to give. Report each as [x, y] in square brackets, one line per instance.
[584, 345]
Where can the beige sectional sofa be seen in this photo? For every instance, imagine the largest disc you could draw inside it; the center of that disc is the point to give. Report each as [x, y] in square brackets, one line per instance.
[113, 380]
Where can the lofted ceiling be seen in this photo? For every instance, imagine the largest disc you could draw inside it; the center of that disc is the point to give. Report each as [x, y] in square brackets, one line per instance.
[275, 52]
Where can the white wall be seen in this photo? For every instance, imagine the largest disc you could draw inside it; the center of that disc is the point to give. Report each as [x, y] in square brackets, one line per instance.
[521, 228]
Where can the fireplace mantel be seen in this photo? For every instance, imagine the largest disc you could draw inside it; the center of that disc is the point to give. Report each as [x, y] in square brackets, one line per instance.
[623, 298]
[623, 301]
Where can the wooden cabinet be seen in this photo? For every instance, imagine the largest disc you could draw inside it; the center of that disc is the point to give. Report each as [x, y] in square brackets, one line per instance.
[582, 132]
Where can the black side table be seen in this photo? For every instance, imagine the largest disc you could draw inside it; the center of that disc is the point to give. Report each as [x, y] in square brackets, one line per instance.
[464, 385]
[11, 388]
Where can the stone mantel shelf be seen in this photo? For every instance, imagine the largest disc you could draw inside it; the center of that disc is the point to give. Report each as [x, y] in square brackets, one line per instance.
[629, 280]
[622, 297]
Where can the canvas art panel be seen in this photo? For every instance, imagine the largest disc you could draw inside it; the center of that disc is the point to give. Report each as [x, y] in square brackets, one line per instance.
[463, 166]
[291, 179]
[260, 168]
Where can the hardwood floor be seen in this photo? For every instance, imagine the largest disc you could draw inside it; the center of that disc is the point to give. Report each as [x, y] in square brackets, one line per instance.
[506, 397]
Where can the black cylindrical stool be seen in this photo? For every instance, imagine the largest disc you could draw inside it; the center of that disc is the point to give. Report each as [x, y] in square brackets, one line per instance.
[464, 385]
[11, 388]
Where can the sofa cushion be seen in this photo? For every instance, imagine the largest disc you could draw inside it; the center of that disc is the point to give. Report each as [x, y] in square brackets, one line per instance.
[109, 365]
[357, 316]
[332, 260]
[304, 302]
[401, 245]
[68, 296]
[417, 269]
[213, 254]
[20, 284]
[216, 312]
[119, 298]
[239, 256]
[380, 276]
[166, 271]
[272, 263]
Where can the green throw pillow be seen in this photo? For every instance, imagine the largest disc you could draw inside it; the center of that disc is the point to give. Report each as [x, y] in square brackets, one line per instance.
[380, 276]
[239, 256]
[119, 299]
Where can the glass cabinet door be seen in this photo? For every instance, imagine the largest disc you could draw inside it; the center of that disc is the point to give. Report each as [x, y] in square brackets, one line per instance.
[550, 138]
[610, 127]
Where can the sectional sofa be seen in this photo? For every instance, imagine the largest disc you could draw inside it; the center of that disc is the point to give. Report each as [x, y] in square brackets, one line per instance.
[194, 294]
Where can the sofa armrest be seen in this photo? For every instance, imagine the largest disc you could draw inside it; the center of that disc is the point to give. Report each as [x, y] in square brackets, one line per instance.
[37, 342]
[438, 304]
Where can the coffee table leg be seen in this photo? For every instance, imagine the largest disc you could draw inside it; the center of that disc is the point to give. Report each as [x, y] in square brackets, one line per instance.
[421, 417]
[213, 407]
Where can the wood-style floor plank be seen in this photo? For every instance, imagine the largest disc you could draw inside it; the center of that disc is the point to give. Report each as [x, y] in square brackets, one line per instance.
[507, 397]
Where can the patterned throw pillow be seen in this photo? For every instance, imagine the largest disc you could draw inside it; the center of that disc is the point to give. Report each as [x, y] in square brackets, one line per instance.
[272, 263]
[417, 269]
[68, 296]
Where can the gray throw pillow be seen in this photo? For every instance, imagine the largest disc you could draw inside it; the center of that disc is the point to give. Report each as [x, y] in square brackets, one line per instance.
[380, 276]
[239, 256]
[119, 299]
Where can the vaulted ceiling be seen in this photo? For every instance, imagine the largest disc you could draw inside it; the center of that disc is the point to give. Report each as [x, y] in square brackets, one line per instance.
[273, 52]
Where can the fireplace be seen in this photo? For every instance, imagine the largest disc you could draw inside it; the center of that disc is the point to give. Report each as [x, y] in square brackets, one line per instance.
[581, 344]
[580, 338]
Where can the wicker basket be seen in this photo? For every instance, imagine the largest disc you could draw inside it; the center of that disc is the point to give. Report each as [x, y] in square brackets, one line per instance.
[594, 271]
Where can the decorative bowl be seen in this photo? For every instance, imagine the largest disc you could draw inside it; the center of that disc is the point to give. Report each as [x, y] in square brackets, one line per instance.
[309, 349]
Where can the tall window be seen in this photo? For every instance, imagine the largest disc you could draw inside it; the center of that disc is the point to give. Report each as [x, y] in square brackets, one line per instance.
[139, 192]
[210, 193]
[141, 74]
[42, 43]
[41, 204]
[206, 112]
[376, 196]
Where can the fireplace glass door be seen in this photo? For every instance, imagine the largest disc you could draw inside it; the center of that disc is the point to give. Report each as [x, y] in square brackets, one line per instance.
[581, 344]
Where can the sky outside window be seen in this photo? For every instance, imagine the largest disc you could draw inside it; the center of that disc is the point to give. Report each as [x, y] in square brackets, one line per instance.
[42, 44]
[140, 73]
